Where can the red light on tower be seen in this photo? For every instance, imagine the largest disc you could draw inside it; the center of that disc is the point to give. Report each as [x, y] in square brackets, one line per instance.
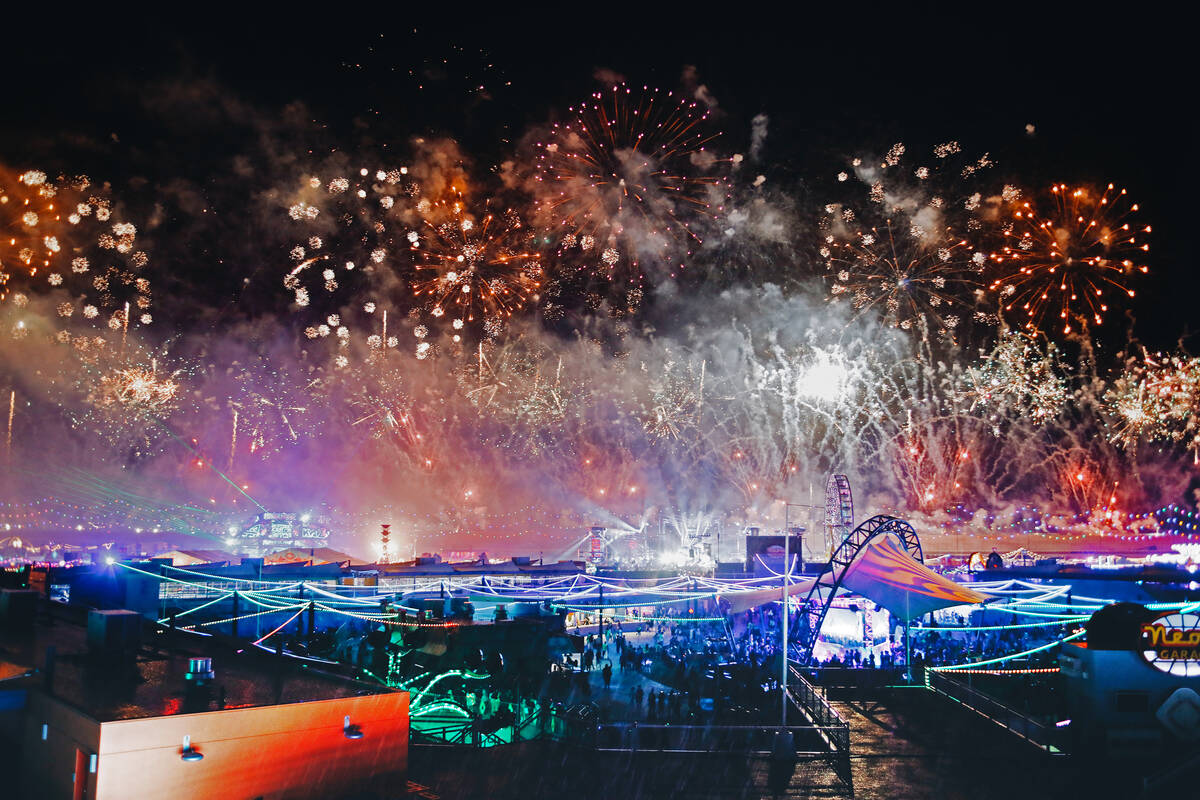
[383, 551]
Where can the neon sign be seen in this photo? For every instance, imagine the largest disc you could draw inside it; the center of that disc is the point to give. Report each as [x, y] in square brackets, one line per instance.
[1171, 644]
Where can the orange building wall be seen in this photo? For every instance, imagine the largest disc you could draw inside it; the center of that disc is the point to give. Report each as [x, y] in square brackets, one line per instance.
[288, 751]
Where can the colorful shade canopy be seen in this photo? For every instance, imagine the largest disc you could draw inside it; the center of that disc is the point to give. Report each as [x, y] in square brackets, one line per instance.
[886, 574]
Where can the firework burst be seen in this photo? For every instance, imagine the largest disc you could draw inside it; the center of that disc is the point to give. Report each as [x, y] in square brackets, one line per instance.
[128, 394]
[675, 402]
[373, 399]
[60, 236]
[1157, 398]
[518, 380]
[1064, 258]
[476, 271]
[906, 249]
[268, 409]
[627, 180]
[1019, 376]
[136, 389]
[355, 235]
[909, 277]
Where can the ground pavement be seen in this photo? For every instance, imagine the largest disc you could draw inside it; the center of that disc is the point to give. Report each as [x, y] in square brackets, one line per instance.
[616, 702]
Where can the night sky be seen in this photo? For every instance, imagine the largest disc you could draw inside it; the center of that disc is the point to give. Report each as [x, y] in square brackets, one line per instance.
[170, 103]
[204, 123]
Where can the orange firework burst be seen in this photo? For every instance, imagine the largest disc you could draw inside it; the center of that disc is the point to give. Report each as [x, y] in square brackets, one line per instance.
[629, 176]
[1065, 263]
[480, 270]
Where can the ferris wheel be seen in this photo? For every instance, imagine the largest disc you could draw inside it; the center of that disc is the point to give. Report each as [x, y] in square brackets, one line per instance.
[839, 510]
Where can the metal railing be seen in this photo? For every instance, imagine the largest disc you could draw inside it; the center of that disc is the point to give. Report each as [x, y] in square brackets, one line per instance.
[858, 681]
[470, 732]
[757, 740]
[1036, 733]
[806, 696]
[452, 733]
[833, 729]
[1154, 786]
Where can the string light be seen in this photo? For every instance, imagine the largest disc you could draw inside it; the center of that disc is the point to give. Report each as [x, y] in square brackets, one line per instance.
[281, 627]
[1002, 659]
[587, 609]
[953, 629]
[1034, 671]
[230, 619]
[591, 586]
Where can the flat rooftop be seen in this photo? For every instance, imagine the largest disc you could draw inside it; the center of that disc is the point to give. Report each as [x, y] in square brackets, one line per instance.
[154, 684]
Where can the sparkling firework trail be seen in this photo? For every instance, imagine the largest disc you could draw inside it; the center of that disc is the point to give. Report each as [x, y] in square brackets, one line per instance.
[12, 407]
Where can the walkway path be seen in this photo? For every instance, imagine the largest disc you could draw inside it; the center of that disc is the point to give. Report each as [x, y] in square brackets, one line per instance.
[616, 702]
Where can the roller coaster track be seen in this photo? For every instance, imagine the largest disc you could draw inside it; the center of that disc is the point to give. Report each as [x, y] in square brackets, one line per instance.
[820, 596]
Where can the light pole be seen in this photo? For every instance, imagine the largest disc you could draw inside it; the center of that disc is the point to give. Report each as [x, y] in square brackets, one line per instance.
[787, 583]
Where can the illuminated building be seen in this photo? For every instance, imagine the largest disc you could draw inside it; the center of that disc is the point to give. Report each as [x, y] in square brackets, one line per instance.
[272, 531]
[102, 705]
[1132, 691]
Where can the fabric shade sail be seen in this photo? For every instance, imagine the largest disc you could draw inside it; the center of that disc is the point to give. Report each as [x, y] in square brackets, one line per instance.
[752, 598]
[886, 574]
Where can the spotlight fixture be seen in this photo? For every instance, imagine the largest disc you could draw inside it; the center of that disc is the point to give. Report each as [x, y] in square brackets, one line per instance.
[351, 731]
[190, 753]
